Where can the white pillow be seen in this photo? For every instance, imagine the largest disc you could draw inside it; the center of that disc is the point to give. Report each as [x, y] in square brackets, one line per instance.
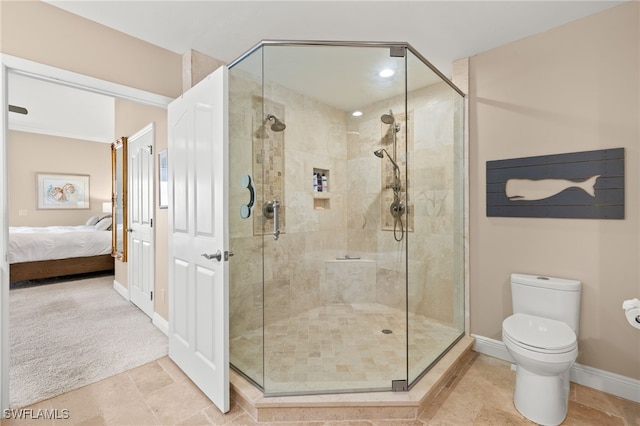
[92, 221]
[104, 224]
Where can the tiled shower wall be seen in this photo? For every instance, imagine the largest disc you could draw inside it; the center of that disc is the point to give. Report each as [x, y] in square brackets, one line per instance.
[430, 192]
[297, 264]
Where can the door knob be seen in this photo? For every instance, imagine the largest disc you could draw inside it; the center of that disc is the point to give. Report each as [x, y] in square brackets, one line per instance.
[217, 256]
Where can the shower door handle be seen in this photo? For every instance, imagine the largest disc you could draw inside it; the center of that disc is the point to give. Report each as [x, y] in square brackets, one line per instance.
[271, 210]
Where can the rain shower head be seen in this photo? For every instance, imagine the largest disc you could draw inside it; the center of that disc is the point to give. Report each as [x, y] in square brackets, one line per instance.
[388, 118]
[277, 125]
[379, 153]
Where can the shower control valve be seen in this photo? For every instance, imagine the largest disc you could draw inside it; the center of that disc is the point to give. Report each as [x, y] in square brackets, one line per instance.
[397, 209]
[270, 210]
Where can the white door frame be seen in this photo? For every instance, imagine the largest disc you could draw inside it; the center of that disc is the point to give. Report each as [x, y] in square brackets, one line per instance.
[57, 75]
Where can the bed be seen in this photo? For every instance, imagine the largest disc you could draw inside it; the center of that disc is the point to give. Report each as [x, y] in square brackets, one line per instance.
[53, 251]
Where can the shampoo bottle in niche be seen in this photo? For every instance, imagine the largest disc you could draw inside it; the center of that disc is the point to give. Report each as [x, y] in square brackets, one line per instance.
[319, 182]
[325, 185]
[315, 182]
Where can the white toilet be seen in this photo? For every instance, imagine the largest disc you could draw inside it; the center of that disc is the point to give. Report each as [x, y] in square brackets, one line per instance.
[541, 336]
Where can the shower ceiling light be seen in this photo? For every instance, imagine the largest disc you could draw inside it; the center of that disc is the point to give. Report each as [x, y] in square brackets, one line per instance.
[356, 113]
[387, 72]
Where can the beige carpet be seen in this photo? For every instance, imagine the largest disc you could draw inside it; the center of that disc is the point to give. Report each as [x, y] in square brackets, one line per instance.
[67, 335]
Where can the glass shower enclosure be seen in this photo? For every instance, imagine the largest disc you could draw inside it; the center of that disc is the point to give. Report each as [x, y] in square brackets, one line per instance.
[346, 216]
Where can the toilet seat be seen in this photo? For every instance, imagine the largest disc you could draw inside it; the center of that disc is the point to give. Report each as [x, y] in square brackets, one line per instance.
[541, 335]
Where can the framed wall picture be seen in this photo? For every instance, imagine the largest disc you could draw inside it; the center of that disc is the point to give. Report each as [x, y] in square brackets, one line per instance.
[577, 185]
[62, 191]
[163, 195]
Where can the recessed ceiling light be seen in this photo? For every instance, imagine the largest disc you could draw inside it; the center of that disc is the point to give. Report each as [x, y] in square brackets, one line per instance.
[387, 72]
[356, 113]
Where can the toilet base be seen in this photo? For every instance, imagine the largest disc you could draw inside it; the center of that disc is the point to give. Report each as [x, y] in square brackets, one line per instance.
[542, 399]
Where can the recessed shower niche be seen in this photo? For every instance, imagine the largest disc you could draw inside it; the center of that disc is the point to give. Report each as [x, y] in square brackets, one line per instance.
[318, 274]
[320, 187]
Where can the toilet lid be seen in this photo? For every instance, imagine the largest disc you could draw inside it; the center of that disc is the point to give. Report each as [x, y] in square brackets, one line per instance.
[540, 333]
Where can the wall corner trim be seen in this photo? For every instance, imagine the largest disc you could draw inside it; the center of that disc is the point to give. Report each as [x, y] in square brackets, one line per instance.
[604, 381]
[161, 323]
[122, 290]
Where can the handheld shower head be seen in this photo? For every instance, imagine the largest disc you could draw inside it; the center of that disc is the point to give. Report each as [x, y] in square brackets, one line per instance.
[396, 170]
[380, 154]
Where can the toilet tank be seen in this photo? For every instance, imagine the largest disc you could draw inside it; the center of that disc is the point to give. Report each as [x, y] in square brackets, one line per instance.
[547, 297]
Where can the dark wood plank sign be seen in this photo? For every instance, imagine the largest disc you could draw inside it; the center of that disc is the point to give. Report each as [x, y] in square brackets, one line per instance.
[585, 185]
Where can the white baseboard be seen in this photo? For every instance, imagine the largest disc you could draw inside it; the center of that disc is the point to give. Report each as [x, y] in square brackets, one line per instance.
[161, 323]
[156, 319]
[615, 384]
[491, 347]
[122, 290]
[612, 383]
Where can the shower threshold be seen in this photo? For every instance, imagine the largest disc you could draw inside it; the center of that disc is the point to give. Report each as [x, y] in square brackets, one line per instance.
[355, 406]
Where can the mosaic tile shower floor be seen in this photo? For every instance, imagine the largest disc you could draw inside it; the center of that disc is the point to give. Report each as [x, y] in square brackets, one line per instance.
[340, 347]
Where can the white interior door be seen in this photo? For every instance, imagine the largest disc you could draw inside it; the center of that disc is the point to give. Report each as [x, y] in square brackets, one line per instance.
[140, 253]
[198, 230]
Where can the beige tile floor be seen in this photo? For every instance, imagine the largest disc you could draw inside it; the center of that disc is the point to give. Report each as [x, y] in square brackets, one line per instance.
[158, 393]
[328, 348]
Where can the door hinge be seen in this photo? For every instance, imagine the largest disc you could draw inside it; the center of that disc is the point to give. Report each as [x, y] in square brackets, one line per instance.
[397, 51]
[150, 149]
[399, 385]
[151, 296]
[151, 222]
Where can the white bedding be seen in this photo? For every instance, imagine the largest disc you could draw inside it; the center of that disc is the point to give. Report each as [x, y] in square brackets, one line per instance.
[30, 244]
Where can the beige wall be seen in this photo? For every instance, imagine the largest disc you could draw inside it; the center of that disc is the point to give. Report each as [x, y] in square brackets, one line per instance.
[573, 88]
[31, 153]
[42, 33]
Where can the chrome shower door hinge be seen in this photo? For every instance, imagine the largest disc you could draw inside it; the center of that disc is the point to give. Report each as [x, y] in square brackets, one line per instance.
[399, 385]
[397, 51]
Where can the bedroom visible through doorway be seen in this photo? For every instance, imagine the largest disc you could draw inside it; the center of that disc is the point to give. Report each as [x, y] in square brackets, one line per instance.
[83, 332]
[132, 96]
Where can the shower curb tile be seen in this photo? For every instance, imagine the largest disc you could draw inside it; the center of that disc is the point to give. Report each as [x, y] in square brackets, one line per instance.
[391, 406]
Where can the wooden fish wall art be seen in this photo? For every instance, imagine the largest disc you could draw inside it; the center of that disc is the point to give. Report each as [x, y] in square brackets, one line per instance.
[583, 185]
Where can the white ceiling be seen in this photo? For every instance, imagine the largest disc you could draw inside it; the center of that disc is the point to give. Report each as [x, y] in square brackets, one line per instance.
[441, 31]
[58, 110]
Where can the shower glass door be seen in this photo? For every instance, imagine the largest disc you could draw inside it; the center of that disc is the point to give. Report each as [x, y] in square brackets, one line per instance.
[246, 348]
[345, 216]
[334, 276]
